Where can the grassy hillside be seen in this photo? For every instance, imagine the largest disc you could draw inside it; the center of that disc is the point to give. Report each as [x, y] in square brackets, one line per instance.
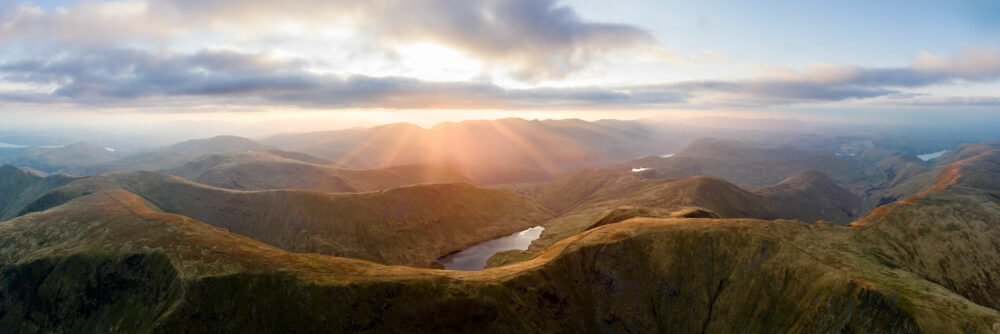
[266, 170]
[169, 273]
[583, 197]
[410, 225]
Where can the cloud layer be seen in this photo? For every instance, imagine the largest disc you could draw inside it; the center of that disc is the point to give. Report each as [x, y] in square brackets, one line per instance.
[143, 52]
[532, 39]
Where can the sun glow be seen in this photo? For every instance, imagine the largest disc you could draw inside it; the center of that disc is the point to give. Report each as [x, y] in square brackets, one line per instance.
[436, 62]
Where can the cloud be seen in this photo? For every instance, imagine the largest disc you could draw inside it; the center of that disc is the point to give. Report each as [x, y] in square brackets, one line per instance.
[827, 83]
[539, 38]
[954, 101]
[131, 76]
[973, 63]
[531, 39]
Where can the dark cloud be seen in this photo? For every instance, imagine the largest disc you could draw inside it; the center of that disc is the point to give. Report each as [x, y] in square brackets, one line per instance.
[539, 38]
[128, 76]
[120, 77]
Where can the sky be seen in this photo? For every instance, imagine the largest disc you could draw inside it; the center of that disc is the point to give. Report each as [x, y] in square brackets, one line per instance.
[318, 64]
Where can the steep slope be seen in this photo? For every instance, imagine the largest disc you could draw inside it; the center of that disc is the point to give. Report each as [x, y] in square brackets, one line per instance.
[409, 225]
[19, 188]
[266, 170]
[947, 234]
[811, 196]
[107, 261]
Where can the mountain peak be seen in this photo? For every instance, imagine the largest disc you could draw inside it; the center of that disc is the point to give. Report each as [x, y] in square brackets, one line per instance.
[217, 144]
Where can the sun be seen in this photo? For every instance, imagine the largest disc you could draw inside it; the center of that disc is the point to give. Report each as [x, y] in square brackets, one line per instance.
[435, 62]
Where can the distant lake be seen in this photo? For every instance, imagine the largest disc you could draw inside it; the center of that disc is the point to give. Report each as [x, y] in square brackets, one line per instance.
[6, 145]
[932, 156]
[474, 258]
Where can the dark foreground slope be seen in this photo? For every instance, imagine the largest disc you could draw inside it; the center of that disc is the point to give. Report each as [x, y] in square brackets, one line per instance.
[108, 262]
[409, 225]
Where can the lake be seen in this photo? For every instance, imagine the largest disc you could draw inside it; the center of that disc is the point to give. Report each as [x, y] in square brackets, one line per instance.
[932, 156]
[474, 258]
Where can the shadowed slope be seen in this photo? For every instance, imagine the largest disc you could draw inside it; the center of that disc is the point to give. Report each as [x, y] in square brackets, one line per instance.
[19, 188]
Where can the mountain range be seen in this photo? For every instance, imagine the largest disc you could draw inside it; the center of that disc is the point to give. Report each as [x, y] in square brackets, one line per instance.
[341, 232]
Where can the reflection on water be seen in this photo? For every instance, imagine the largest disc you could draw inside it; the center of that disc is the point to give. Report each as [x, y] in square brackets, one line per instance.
[932, 156]
[474, 258]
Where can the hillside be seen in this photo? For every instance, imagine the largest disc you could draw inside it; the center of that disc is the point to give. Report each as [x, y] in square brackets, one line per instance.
[583, 197]
[488, 151]
[177, 155]
[405, 226]
[268, 170]
[18, 188]
[217, 144]
[749, 164]
[152, 271]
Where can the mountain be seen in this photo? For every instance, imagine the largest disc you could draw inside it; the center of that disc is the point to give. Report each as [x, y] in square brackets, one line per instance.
[270, 170]
[411, 225]
[55, 159]
[175, 155]
[584, 197]
[811, 196]
[925, 265]
[217, 144]
[749, 164]
[488, 151]
[711, 148]
[18, 188]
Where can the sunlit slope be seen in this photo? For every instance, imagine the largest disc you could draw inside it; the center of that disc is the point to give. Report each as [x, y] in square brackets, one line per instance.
[907, 175]
[583, 197]
[487, 151]
[948, 234]
[107, 262]
[409, 225]
[266, 170]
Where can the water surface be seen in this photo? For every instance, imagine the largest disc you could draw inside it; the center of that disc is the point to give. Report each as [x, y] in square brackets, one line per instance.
[474, 258]
[932, 156]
